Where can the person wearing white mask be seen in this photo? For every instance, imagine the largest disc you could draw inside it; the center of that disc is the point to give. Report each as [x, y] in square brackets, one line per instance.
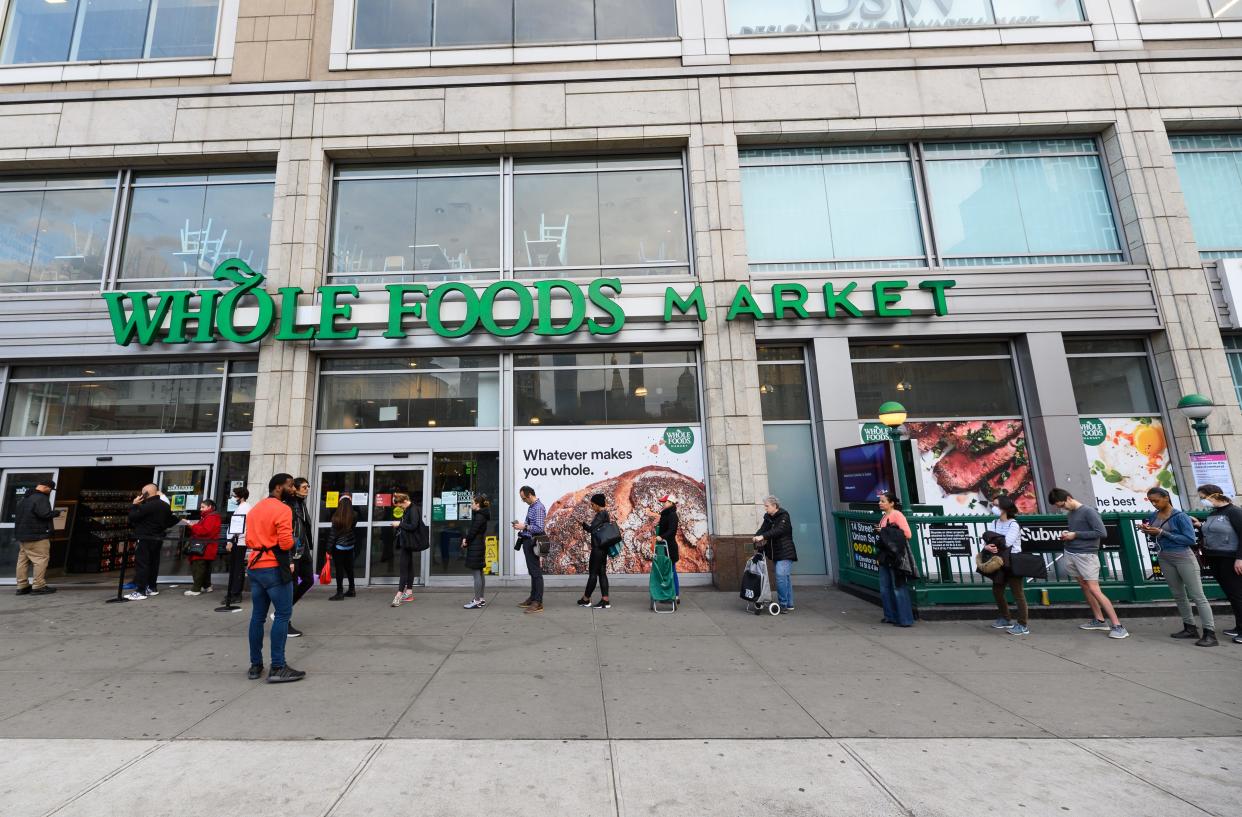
[1222, 533]
[1006, 525]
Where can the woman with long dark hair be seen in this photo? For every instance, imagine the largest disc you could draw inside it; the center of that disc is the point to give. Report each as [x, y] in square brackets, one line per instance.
[475, 545]
[597, 565]
[341, 543]
[896, 572]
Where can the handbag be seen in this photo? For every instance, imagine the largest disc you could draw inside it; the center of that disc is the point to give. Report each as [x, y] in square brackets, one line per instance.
[1028, 566]
[325, 575]
[608, 535]
[197, 547]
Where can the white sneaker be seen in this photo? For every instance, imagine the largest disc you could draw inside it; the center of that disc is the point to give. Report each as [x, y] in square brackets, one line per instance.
[396, 601]
[151, 591]
[135, 596]
[407, 595]
[472, 604]
[193, 593]
[208, 589]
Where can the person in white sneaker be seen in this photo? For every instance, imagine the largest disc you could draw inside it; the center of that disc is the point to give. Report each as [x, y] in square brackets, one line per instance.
[1082, 556]
[150, 518]
[475, 545]
[207, 532]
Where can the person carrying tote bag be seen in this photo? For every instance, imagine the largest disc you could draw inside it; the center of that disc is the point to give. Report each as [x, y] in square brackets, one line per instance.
[604, 535]
[1006, 534]
[412, 537]
[896, 565]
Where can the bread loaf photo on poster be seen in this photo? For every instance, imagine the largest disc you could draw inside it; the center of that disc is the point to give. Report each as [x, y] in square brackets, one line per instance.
[634, 504]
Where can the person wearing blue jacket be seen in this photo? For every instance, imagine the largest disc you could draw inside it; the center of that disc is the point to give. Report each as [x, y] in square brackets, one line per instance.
[1173, 533]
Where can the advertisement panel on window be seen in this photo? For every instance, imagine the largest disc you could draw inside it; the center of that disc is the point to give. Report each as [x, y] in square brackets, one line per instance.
[1128, 456]
[966, 464]
[633, 468]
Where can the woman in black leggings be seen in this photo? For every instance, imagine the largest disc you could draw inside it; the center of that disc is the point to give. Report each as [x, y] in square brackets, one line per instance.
[341, 549]
[597, 569]
[411, 539]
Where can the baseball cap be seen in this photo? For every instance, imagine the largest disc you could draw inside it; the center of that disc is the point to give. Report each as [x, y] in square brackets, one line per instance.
[669, 498]
[49, 483]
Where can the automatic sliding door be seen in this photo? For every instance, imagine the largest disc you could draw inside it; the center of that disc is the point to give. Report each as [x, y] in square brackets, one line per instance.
[335, 484]
[389, 482]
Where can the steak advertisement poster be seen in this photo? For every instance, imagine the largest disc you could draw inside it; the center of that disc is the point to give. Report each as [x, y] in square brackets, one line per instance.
[964, 465]
[633, 468]
[1127, 456]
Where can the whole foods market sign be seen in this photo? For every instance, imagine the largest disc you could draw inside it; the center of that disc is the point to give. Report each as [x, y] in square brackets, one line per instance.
[247, 313]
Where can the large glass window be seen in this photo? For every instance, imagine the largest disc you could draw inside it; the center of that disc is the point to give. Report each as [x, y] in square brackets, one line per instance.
[181, 226]
[1233, 354]
[54, 233]
[465, 23]
[424, 392]
[1111, 377]
[433, 221]
[1020, 202]
[936, 381]
[751, 17]
[793, 475]
[569, 217]
[86, 30]
[609, 388]
[84, 399]
[836, 208]
[1149, 10]
[1210, 169]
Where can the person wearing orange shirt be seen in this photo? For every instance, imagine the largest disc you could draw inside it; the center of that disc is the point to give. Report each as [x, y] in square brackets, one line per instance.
[269, 542]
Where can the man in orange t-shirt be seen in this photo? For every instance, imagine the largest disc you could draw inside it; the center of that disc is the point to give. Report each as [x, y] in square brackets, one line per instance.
[269, 542]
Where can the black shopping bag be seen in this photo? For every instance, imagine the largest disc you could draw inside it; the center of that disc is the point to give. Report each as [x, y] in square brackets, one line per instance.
[752, 586]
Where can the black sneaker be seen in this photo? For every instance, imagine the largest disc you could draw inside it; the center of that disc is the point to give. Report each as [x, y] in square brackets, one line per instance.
[349, 594]
[255, 672]
[336, 597]
[294, 632]
[584, 602]
[27, 590]
[43, 591]
[285, 675]
[602, 604]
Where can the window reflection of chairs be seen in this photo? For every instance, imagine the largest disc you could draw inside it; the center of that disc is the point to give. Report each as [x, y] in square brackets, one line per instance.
[394, 263]
[552, 242]
[659, 255]
[200, 252]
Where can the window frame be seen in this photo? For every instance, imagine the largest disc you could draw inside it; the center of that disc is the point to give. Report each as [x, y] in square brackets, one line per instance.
[1207, 18]
[219, 62]
[1218, 254]
[1153, 375]
[508, 270]
[820, 32]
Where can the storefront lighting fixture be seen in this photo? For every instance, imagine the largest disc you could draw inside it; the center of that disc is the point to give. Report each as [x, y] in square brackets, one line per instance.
[1197, 409]
[892, 414]
[88, 371]
[534, 421]
[905, 385]
[640, 391]
[431, 422]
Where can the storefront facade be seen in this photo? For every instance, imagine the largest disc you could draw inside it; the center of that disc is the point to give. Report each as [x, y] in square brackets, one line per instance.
[690, 250]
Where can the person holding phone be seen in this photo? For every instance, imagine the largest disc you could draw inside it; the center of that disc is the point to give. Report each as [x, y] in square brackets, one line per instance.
[528, 530]
[412, 537]
[475, 546]
[1173, 533]
[1006, 526]
[150, 518]
[1222, 533]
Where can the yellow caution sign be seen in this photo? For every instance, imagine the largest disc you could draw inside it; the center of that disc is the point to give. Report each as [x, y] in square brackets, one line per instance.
[491, 558]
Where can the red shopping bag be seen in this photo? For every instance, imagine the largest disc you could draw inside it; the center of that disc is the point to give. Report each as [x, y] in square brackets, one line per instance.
[325, 575]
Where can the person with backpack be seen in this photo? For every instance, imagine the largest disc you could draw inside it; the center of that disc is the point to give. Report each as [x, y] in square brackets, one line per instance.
[895, 563]
[775, 538]
[303, 564]
[1007, 534]
[1222, 533]
[597, 562]
[475, 545]
[204, 545]
[341, 543]
[412, 537]
[1173, 533]
[269, 540]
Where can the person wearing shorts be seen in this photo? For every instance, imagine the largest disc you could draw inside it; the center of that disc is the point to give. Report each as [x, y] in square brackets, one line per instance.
[1082, 560]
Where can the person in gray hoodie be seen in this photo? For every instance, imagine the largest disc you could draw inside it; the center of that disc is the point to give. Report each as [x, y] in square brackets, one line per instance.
[1082, 560]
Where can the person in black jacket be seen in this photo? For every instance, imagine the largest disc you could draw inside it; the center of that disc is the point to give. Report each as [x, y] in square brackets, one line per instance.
[475, 545]
[775, 538]
[666, 530]
[303, 563]
[341, 545]
[1222, 549]
[412, 537]
[597, 566]
[150, 517]
[33, 530]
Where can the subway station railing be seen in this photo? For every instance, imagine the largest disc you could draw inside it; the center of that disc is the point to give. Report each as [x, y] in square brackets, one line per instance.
[945, 546]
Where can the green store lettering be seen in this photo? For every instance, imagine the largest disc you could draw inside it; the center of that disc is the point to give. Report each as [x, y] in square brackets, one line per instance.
[175, 317]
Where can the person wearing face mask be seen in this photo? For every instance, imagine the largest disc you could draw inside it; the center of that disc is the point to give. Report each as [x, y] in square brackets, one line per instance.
[1173, 533]
[1222, 532]
[1006, 525]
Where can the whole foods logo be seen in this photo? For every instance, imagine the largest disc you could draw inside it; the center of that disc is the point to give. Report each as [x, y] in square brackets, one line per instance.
[874, 433]
[679, 439]
[1093, 430]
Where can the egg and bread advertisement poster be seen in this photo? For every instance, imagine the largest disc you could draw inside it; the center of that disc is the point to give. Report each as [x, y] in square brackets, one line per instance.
[1128, 456]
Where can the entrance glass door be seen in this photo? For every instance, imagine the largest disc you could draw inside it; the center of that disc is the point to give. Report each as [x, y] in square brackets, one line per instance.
[388, 482]
[185, 489]
[371, 490]
[13, 486]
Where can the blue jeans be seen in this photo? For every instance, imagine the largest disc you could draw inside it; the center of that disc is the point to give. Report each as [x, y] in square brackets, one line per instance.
[676, 582]
[266, 585]
[784, 584]
[895, 597]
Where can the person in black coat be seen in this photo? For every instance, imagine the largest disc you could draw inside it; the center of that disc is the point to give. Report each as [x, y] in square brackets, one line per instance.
[33, 531]
[150, 518]
[666, 530]
[597, 566]
[775, 538]
[475, 545]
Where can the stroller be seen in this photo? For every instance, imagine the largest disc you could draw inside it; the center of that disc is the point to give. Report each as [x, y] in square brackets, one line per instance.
[661, 581]
[755, 589]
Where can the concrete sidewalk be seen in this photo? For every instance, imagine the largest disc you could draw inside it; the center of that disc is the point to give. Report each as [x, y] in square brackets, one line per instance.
[110, 709]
